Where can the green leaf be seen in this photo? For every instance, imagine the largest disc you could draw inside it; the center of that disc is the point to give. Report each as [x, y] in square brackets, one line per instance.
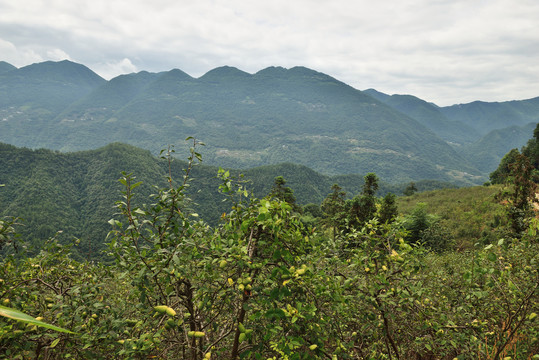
[54, 343]
[136, 185]
[20, 316]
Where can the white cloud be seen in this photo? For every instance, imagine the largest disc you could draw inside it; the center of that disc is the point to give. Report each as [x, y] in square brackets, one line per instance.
[17, 56]
[57, 55]
[111, 69]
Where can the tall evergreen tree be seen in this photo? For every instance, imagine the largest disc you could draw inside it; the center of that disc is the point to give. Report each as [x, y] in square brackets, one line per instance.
[531, 150]
[523, 194]
[388, 209]
[410, 189]
[333, 208]
[284, 193]
[363, 207]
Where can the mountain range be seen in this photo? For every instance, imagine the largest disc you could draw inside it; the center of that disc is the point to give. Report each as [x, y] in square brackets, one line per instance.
[276, 115]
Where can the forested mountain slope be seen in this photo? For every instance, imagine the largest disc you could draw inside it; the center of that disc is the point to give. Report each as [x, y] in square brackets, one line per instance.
[32, 96]
[480, 132]
[490, 149]
[5, 67]
[75, 192]
[276, 115]
[485, 117]
[430, 116]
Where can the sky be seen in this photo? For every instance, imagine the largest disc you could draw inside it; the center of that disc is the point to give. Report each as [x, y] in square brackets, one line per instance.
[443, 51]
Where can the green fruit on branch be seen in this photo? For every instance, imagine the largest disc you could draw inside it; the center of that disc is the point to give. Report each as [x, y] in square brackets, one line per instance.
[241, 328]
[160, 308]
[170, 311]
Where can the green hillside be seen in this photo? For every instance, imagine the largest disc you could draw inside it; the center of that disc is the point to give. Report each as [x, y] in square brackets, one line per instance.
[479, 131]
[277, 115]
[486, 153]
[76, 191]
[429, 115]
[274, 116]
[466, 215]
[5, 67]
[485, 117]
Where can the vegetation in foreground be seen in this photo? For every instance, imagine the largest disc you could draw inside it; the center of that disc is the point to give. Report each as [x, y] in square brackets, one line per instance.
[263, 285]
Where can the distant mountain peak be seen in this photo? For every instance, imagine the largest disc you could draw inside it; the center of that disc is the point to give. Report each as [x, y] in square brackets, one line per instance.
[378, 95]
[178, 74]
[224, 72]
[304, 70]
[273, 71]
[64, 70]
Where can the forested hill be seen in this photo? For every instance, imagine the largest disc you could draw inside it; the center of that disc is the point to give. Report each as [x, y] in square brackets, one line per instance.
[480, 132]
[5, 67]
[429, 115]
[75, 192]
[277, 115]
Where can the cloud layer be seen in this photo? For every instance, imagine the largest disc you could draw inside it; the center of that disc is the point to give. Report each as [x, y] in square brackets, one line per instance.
[444, 51]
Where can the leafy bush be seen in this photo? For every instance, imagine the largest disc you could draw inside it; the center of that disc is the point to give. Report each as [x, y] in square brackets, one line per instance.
[262, 285]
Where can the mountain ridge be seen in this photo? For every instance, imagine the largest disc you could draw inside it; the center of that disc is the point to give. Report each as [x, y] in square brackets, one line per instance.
[274, 115]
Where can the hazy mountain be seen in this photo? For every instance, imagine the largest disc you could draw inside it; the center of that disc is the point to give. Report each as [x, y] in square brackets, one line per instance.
[277, 115]
[485, 117]
[49, 86]
[116, 92]
[483, 150]
[31, 96]
[5, 67]
[430, 116]
[491, 148]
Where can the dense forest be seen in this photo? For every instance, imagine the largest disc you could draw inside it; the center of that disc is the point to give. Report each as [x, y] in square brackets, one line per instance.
[443, 274]
[77, 191]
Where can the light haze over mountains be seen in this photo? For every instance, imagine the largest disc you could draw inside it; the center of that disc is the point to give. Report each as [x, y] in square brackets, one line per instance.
[276, 115]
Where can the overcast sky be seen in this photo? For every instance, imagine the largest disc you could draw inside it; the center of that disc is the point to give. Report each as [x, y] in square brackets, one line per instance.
[443, 51]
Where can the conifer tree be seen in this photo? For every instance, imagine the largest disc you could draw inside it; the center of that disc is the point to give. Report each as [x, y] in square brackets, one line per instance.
[333, 208]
